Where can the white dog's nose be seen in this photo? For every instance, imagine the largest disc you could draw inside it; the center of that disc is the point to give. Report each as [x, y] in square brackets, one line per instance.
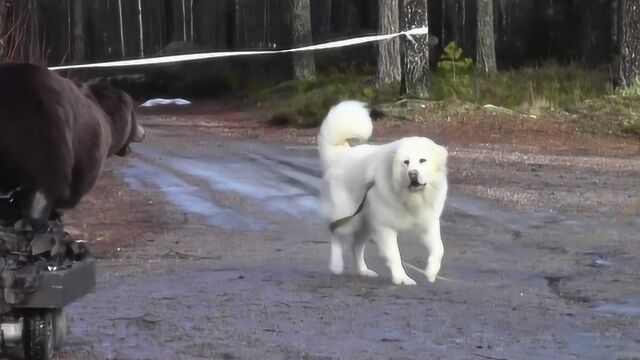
[413, 174]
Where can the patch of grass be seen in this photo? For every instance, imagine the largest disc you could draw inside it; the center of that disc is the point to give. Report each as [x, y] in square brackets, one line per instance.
[629, 113]
[539, 89]
[304, 104]
[585, 99]
[427, 110]
[614, 114]
[632, 127]
[633, 90]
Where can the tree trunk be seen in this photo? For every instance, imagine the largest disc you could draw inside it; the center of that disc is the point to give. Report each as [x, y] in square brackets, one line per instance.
[388, 69]
[191, 27]
[486, 50]
[140, 28]
[152, 27]
[78, 31]
[121, 26]
[322, 11]
[239, 35]
[184, 21]
[303, 63]
[35, 54]
[3, 8]
[629, 12]
[415, 55]
[214, 24]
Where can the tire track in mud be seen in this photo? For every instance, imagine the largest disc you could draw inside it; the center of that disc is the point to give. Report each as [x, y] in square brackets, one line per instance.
[209, 186]
[292, 173]
[184, 192]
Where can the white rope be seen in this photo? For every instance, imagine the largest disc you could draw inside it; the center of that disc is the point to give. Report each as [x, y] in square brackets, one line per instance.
[213, 55]
[476, 283]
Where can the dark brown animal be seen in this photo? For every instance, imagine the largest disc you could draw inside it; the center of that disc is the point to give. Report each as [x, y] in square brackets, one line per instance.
[55, 136]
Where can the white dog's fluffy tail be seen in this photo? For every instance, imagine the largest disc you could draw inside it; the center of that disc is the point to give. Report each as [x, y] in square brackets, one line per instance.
[347, 120]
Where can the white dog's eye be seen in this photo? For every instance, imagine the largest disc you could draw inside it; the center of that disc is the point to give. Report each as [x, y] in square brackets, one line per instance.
[406, 162]
[422, 160]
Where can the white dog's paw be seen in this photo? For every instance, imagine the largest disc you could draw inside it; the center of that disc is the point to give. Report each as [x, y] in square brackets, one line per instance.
[368, 273]
[403, 280]
[335, 268]
[432, 272]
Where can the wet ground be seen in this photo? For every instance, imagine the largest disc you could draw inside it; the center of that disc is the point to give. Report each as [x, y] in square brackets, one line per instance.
[210, 247]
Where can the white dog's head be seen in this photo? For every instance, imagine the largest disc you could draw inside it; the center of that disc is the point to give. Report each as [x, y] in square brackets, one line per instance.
[418, 164]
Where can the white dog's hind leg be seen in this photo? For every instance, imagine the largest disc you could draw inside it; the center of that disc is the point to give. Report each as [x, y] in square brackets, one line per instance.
[357, 247]
[387, 241]
[336, 264]
[434, 245]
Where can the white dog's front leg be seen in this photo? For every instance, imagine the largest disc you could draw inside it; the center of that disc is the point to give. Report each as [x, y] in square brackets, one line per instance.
[387, 241]
[336, 263]
[434, 245]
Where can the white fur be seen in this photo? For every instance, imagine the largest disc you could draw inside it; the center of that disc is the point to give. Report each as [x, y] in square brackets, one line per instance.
[392, 206]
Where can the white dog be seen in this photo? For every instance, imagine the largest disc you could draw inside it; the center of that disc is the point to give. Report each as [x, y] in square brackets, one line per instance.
[404, 184]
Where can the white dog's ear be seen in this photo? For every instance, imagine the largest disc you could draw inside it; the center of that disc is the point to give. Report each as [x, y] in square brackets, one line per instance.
[442, 154]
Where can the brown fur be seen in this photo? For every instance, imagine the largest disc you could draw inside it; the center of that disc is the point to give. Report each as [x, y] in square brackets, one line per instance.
[55, 135]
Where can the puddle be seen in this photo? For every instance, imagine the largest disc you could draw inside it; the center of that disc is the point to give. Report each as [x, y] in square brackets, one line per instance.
[250, 182]
[627, 307]
[279, 189]
[140, 175]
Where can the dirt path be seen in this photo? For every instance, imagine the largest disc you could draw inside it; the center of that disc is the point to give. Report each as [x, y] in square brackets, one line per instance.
[210, 248]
